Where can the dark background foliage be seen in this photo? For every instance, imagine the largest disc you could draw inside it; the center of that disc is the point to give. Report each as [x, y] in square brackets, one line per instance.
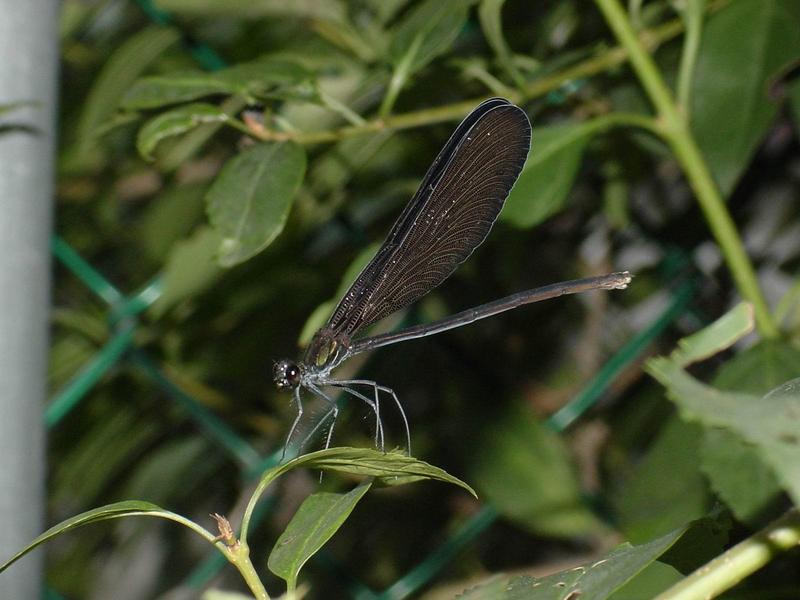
[600, 193]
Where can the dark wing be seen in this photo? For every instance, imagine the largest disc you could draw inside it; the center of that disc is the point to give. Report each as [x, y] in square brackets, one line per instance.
[447, 218]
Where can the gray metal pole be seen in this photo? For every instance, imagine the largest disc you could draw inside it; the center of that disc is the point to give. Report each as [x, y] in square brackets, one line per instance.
[28, 72]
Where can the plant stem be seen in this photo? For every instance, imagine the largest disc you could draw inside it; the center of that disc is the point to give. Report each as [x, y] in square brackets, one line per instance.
[693, 17]
[239, 557]
[744, 558]
[675, 131]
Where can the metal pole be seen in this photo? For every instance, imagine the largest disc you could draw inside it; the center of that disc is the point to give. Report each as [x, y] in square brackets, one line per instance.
[28, 73]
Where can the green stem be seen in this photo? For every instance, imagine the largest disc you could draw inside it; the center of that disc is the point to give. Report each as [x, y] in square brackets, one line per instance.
[676, 133]
[251, 505]
[399, 77]
[743, 559]
[693, 17]
[651, 39]
[239, 557]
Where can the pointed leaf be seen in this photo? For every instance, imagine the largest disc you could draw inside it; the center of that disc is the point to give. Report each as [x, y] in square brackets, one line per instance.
[720, 335]
[390, 468]
[129, 508]
[318, 518]
[174, 122]
[249, 202]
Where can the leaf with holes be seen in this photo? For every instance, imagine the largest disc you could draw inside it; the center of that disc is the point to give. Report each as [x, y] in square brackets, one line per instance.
[595, 580]
[249, 202]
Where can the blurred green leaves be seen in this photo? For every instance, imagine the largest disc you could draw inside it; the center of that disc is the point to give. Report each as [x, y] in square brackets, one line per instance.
[542, 188]
[525, 471]
[122, 69]
[428, 30]
[259, 79]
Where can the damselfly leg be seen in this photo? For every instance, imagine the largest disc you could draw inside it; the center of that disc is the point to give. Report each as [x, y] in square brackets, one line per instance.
[382, 388]
[375, 405]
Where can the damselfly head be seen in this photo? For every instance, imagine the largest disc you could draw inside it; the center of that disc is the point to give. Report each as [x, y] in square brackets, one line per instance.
[286, 374]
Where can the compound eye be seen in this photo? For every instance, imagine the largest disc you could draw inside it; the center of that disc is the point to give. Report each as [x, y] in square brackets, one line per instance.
[293, 374]
[286, 374]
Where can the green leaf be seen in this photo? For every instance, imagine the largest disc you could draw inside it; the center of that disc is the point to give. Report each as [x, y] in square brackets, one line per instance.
[720, 335]
[428, 30]
[175, 122]
[545, 496]
[190, 268]
[118, 74]
[769, 424]
[736, 471]
[666, 487]
[169, 218]
[738, 475]
[129, 508]
[760, 368]
[542, 188]
[173, 152]
[390, 468]
[743, 47]
[255, 9]
[318, 518]
[595, 580]
[257, 79]
[249, 202]
[654, 579]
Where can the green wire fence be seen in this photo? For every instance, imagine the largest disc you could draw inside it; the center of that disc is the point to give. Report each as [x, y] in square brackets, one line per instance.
[121, 346]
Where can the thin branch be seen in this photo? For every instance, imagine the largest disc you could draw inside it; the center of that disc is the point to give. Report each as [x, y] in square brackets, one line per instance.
[650, 39]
